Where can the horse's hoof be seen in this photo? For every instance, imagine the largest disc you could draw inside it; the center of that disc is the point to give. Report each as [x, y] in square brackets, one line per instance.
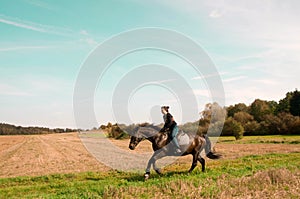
[146, 176]
[158, 171]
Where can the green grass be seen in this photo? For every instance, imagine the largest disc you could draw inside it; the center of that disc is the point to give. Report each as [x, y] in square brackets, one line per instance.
[175, 182]
[267, 139]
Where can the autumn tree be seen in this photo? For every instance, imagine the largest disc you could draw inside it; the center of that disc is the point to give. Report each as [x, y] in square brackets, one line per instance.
[232, 127]
[259, 108]
[240, 107]
[212, 119]
[243, 117]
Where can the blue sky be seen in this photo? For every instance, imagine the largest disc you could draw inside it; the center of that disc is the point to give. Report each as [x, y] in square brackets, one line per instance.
[255, 46]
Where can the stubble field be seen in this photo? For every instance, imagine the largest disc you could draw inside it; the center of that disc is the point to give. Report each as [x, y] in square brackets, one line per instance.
[59, 166]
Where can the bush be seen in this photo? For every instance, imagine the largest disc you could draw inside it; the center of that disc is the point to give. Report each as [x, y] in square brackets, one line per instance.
[252, 128]
[215, 129]
[232, 127]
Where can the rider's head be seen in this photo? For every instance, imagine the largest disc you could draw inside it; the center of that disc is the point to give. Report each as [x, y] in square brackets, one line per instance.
[165, 109]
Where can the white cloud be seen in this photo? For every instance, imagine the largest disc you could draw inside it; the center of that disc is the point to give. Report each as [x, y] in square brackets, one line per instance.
[84, 35]
[35, 26]
[163, 81]
[15, 48]
[267, 81]
[87, 38]
[84, 32]
[266, 44]
[209, 75]
[10, 90]
[215, 14]
[234, 79]
[202, 92]
[41, 4]
[89, 41]
[21, 25]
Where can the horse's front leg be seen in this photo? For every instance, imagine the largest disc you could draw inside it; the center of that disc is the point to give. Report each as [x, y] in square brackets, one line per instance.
[156, 169]
[147, 173]
[157, 155]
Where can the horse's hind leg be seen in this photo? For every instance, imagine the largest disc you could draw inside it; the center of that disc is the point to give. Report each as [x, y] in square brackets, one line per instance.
[202, 161]
[194, 163]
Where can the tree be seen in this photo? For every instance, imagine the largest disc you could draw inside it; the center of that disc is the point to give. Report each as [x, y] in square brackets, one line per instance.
[203, 126]
[243, 117]
[284, 104]
[295, 103]
[215, 129]
[289, 124]
[252, 128]
[232, 127]
[213, 112]
[259, 108]
[273, 124]
[240, 107]
[190, 127]
[295, 126]
[212, 119]
[247, 121]
[273, 106]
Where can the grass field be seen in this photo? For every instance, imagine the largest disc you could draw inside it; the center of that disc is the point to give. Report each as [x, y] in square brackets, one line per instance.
[271, 139]
[263, 176]
[255, 167]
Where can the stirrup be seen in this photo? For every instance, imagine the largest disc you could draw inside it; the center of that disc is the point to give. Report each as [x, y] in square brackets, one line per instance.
[178, 150]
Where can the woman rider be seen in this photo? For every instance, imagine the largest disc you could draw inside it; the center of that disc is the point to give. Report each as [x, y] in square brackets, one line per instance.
[171, 125]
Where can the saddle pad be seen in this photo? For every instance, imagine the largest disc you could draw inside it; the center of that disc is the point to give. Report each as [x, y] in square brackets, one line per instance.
[183, 139]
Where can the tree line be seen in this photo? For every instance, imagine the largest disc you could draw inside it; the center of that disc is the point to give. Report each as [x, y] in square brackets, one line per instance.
[9, 129]
[261, 117]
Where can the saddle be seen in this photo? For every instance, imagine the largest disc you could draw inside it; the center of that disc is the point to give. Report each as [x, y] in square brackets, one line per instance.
[182, 137]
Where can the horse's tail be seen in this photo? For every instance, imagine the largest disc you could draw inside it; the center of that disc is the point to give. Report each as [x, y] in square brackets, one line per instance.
[208, 152]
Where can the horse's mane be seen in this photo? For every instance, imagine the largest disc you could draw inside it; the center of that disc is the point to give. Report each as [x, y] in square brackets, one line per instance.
[145, 124]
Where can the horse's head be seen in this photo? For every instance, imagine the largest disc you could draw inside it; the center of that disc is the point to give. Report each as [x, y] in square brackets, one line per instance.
[143, 131]
[134, 141]
[136, 138]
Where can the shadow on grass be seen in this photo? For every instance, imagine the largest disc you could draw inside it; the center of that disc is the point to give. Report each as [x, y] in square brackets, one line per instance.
[140, 177]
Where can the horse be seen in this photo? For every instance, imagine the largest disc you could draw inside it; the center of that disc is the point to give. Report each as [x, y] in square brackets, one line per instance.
[161, 147]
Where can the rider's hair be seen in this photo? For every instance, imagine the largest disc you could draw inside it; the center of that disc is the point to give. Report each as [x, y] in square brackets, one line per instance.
[166, 108]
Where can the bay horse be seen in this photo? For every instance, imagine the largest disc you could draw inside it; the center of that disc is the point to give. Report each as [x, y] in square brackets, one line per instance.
[162, 147]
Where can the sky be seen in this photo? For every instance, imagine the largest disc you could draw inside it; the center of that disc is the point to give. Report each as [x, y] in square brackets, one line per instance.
[255, 46]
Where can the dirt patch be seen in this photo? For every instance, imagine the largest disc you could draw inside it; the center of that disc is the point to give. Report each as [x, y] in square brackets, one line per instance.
[44, 154]
[34, 155]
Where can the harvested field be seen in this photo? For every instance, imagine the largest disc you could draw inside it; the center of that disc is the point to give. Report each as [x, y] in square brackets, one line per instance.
[34, 155]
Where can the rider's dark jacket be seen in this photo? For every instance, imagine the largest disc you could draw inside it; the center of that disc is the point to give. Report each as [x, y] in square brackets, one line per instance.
[169, 123]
